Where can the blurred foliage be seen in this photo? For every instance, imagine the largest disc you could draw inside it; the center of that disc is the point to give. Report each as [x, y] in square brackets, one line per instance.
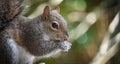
[86, 45]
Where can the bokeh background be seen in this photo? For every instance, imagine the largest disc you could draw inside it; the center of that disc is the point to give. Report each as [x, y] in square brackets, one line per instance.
[88, 22]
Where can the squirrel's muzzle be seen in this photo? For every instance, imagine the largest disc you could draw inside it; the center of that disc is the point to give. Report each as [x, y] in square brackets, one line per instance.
[66, 36]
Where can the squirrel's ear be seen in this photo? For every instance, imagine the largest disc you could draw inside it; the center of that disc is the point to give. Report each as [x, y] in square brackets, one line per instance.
[46, 11]
[57, 9]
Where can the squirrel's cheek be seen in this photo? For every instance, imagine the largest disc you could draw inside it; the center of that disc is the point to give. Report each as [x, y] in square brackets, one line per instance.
[65, 46]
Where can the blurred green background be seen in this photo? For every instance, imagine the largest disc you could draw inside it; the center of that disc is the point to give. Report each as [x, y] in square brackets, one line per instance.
[87, 25]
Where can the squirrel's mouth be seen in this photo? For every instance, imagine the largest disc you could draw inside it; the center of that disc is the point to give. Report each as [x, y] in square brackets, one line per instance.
[57, 40]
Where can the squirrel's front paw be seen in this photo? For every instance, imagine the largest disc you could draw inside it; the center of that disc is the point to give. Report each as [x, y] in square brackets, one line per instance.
[65, 46]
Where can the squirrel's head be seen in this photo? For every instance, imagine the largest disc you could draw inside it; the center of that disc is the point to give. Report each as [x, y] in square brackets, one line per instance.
[54, 24]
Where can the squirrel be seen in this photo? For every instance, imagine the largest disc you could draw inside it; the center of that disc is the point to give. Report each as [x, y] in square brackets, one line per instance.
[24, 40]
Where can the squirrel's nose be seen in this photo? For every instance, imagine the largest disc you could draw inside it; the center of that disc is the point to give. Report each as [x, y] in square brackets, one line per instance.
[66, 36]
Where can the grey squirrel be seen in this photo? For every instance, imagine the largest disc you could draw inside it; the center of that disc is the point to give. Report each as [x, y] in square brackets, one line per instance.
[23, 40]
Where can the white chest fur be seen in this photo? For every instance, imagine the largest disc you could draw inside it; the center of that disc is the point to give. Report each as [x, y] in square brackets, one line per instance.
[21, 56]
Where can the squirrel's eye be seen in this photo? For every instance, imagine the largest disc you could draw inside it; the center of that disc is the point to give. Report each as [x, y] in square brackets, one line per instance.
[55, 25]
